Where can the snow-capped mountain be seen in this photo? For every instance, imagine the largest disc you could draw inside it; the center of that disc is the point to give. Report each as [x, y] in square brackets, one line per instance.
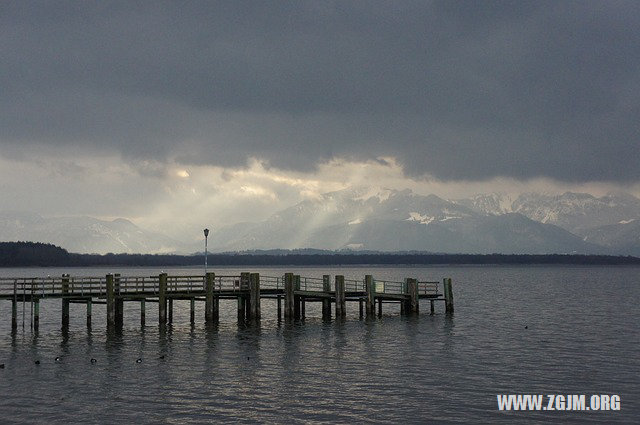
[392, 220]
[379, 220]
[578, 212]
[84, 234]
[489, 204]
[623, 237]
[610, 221]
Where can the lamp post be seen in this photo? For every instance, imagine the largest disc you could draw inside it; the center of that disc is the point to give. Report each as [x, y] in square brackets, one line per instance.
[206, 234]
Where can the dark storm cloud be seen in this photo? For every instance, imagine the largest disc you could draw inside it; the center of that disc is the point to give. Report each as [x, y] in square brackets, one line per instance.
[459, 90]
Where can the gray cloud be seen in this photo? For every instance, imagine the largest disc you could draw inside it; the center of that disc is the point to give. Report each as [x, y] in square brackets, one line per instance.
[458, 90]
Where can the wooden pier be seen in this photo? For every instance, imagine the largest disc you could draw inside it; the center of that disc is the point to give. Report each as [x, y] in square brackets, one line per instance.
[290, 291]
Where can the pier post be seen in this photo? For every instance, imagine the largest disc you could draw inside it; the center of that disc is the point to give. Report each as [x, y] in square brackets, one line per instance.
[162, 299]
[340, 297]
[192, 311]
[119, 301]
[296, 298]
[370, 289]
[14, 308]
[404, 304]
[279, 301]
[111, 306]
[288, 295]
[36, 313]
[216, 309]
[142, 312]
[65, 300]
[89, 308]
[326, 302]
[448, 295]
[209, 302]
[254, 296]
[244, 308]
[379, 307]
[245, 278]
[14, 314]
[414, 301]
[433, 309]
[241, 308]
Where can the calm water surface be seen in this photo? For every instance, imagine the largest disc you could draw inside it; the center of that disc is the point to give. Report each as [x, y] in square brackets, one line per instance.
[582, 337]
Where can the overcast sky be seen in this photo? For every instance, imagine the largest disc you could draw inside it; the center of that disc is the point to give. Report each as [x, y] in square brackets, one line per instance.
[224, 111]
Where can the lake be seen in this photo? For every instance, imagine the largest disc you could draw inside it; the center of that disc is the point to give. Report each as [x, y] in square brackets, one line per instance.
[516, 330]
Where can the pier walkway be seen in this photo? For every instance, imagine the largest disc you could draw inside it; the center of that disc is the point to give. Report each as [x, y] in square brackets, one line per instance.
[291, 291]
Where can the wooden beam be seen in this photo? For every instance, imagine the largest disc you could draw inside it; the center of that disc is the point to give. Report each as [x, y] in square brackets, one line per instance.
[341, 310]
[209, 315]
[326, 302]
[65, 301]
[254, 296]
[370, 289]
[288, 295]
[111, 307]
[162, 299]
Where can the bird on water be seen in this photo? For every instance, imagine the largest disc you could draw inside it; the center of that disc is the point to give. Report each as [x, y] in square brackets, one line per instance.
[139, 360]
[93, 360]
[58, 358]
[37, 362]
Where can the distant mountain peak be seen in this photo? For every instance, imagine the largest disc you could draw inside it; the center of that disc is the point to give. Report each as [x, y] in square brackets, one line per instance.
[85, 234]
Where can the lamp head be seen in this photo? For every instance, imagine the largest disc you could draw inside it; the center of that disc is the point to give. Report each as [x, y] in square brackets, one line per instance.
[206, 232]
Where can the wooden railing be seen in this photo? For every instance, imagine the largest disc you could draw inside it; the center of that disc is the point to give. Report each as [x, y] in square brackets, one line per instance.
[78, 286]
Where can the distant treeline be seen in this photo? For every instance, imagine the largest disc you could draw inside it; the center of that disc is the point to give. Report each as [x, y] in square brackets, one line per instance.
[25, 254]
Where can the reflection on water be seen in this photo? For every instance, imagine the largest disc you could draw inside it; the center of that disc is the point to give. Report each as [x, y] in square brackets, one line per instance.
[539, 330]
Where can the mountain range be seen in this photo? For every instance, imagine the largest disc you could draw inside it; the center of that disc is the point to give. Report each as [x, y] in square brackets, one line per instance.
[365, 219]
[85, 234]
[391, 220]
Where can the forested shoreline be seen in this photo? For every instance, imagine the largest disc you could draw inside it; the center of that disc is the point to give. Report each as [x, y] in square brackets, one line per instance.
[26, 254]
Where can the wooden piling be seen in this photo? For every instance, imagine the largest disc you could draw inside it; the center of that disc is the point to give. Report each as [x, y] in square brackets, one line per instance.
[448, 295]
[14, 308]
[36, 314]
[209, 302]
[111, 306]
[245, 279]
[241, 308]
[65, 301]
[296, 298]
[192, 311]
[119, 301]
[216, 309]
[413, 302]
[254, 296]
[89, 308]
[244, 307]
[433, 309]
[162, 299]
[170, 308]
[326, 302]
[288, 296]
[370, 289]
[279, 301]
[142, 312]
[341, 310]
[379, 307]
